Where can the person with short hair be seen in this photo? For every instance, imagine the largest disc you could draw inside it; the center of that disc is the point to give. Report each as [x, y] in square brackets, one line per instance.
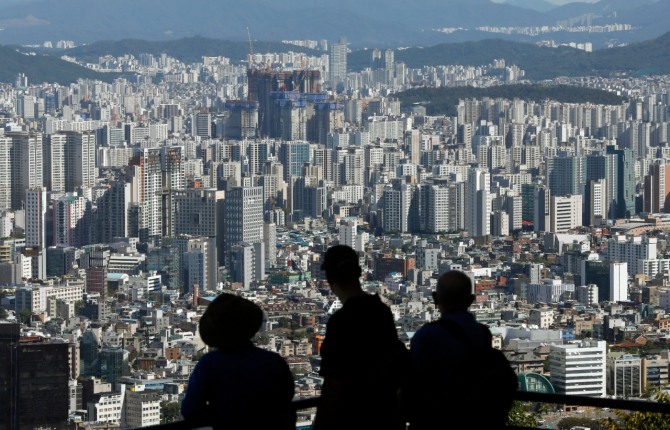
[437, 356]
[360, 340]
[238, 385]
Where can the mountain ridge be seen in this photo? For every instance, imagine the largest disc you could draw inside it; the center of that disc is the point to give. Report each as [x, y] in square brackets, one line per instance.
[371, 23]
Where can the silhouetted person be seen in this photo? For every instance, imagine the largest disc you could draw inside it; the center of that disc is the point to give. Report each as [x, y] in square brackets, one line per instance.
[360, 340]
[448, 358]
[237, 385]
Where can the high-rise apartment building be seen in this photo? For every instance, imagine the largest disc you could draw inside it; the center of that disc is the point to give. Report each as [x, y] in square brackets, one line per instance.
[338, 63]
[146, 191]
[79, 160]
[36, 211]
[657, 188]
[26, 165]
[71, 220]
[478, 203]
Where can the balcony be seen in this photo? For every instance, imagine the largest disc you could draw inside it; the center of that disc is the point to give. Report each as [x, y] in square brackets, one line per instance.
[596, 402]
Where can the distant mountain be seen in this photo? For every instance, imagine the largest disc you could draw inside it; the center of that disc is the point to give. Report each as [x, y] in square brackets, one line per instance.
[188, 50]
[365, 23]
[443, 101]
[647, 57]
[538, 5]
[43, 68]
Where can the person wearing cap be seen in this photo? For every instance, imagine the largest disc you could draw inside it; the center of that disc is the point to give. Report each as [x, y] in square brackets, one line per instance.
[360, 340]
[237, 385]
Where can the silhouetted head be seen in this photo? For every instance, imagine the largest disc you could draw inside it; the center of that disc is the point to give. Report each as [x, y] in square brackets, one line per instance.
[453, 292]
[230, 321]
[341, 266]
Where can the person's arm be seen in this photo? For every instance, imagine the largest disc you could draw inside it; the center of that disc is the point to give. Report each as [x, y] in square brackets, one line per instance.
[288, 389]
[331, 393]
[195, 405]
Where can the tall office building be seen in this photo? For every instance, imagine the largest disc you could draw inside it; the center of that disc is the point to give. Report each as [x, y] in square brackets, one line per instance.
[579, 368]
[595, 210]
[625, 197]
[602, 167]
[566, 213]
[541, 208]
[199, 212]
[201, 124]
[34, 379]
[478, 203]
[338, 64]
[200, 264]
[566, 174]
[247, 263]
[292, 155]
[112, 364]
[624, 375]
[243, 217]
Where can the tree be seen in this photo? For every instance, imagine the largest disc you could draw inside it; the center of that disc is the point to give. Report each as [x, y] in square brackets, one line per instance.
[520, 416]
[169, 412]
[640, 420]
[24, 316]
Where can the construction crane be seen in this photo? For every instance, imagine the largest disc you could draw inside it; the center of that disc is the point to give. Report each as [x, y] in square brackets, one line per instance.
[251, 49]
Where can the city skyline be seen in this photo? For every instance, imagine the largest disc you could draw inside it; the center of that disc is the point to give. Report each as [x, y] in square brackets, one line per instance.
[127, 205]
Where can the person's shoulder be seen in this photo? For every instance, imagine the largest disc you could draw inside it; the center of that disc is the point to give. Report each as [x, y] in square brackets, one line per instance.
[269, 356]
[428, 331]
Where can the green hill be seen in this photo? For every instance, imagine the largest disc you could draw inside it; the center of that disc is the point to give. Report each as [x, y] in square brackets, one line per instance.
[43, 68]
[649, 57]
[443, 101]
[188, 50]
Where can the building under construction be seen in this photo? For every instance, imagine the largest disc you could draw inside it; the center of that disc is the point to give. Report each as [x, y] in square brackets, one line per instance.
[291, 105]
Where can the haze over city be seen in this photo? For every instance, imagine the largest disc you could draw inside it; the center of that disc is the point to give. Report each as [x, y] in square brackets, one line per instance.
[155, 156]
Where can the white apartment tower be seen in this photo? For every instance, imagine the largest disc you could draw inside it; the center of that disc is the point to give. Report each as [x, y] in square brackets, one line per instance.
[348, 231]
[631, 249]
[618, 282]
[478, 203]
[579, 368]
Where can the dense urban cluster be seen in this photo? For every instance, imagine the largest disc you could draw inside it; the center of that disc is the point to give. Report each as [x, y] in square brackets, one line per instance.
[126, 207]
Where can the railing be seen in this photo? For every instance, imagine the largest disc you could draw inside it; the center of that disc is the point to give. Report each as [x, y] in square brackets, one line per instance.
[627, 405]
